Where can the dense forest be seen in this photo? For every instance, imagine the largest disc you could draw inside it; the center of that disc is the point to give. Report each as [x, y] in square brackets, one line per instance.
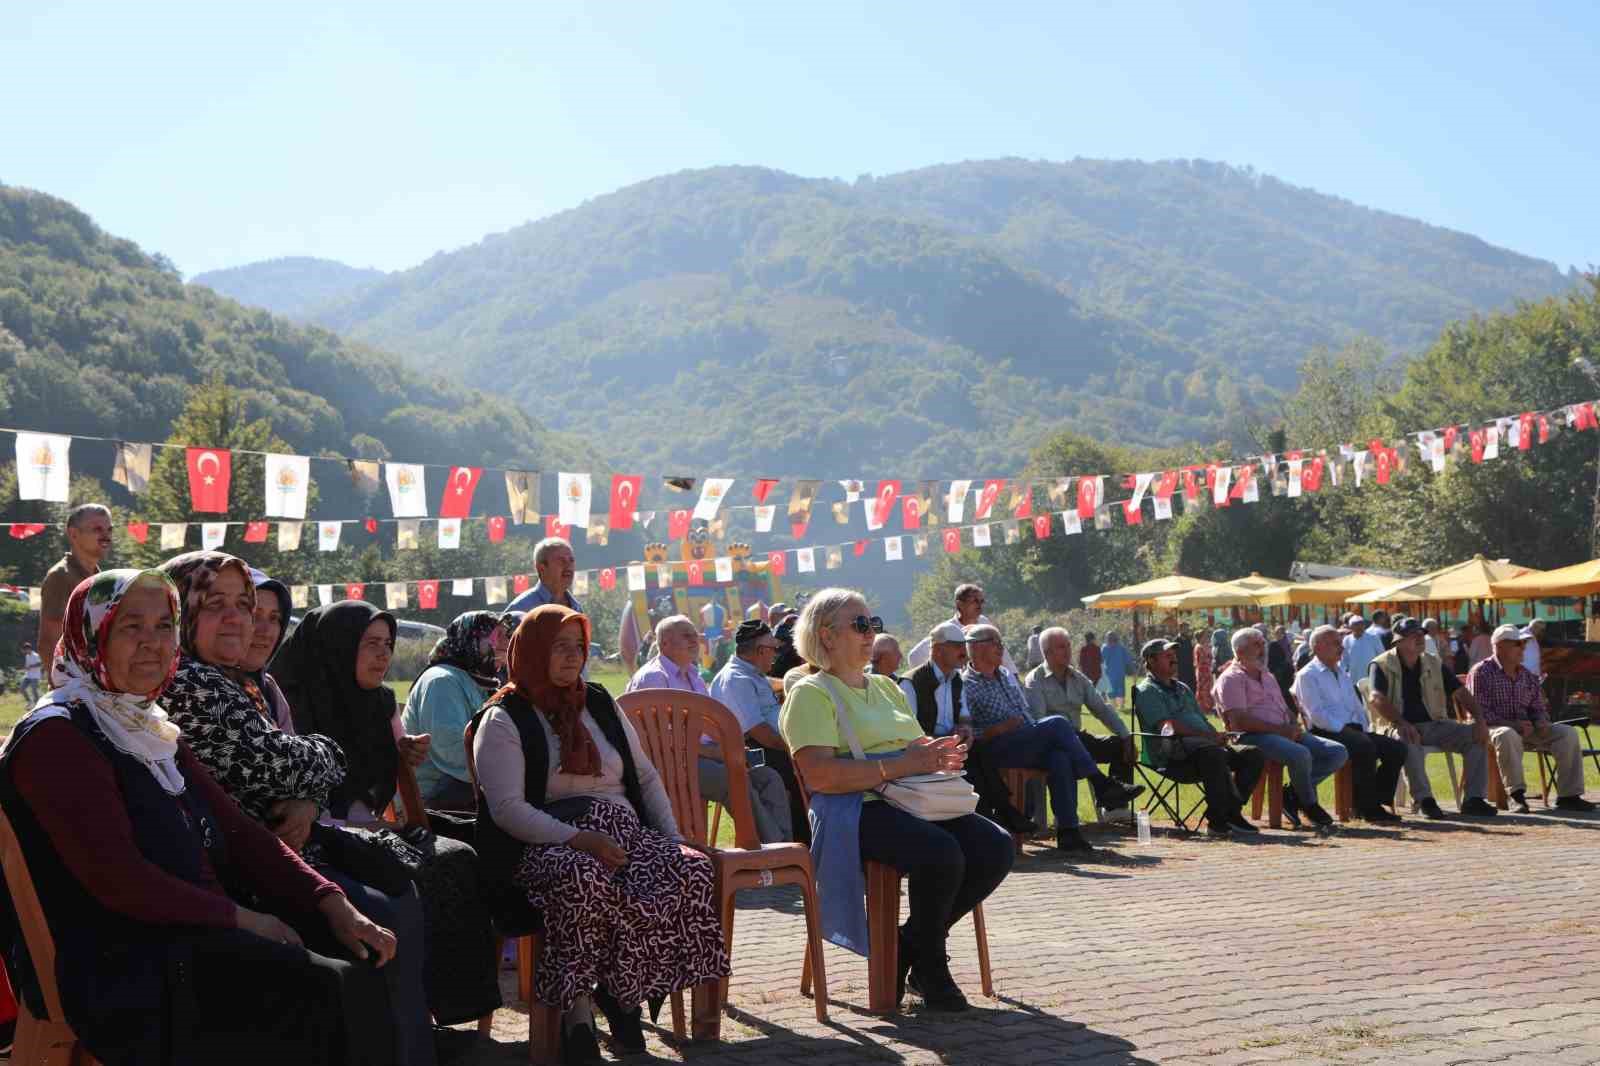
[737, 317]
[290, 286]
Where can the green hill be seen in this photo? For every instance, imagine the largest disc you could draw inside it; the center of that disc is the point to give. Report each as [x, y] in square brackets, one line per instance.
[98, 337]
[291, 286]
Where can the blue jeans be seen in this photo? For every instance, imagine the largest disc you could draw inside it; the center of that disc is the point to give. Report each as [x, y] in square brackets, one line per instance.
[1308, 760]
[1052, 745]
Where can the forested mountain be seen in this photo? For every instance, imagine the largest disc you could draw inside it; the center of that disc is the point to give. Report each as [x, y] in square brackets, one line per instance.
[745, 320]
[290, 286]
[97, 337]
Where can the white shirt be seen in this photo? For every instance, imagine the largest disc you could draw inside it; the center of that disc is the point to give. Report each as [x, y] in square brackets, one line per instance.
[1530, 652]
[1430, 645]
[1328, 697]
[924, 648]
[31, 665]
[1359, 653]
[945, 721]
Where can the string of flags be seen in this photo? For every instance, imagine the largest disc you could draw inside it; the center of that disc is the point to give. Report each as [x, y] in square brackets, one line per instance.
[43, 472]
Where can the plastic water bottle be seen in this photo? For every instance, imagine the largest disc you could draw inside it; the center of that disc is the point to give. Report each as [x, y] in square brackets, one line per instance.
[1142, 818]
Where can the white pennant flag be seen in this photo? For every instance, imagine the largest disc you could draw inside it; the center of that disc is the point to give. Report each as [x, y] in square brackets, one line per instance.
[494, 590]
[713, 490]
[1220, 486]
[805, 560]
[299, 596]
[1358, 463]
[980, 535]
[35, 598]
[1163, 508]
[1491, 441]
[1296, 466]
[133, 466]
[1252, 490]
[212, 534]
[635, 577]
[764, 513]
[1071, 522]
[406, 532]
[408, 491]
[43, 472]
[324, 594]
[919, 545]
[664, 576]
[289, 535]
[461, 586]
[1141, 485]
[574, 491]
[288, 482]
[580, 583]
[958, 500]
[892, 549]
[328, 536]
[394, 595]
[1511, 431]
[724, 565]
[852, 490]
[449, 534]
[173, 534]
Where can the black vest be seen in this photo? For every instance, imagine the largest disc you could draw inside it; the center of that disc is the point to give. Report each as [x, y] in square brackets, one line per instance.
[498, 851]
[924, 683]
[118, 978]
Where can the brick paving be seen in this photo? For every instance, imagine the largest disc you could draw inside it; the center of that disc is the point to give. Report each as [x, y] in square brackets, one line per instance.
[1439, 943]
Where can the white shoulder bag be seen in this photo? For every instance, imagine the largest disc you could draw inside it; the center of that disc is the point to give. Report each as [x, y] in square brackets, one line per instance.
[935, 797]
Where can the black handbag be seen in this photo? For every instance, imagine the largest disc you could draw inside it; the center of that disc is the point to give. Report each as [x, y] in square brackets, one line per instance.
[377, 858]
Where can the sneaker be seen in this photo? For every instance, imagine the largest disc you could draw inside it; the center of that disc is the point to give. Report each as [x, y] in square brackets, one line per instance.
[627, 1027]
[1575, 803]
[1238, 821]
[1430, 808]
[1519, 802]
[1070, 841]
[1119, 814]
[932, 981]
[1479, 807]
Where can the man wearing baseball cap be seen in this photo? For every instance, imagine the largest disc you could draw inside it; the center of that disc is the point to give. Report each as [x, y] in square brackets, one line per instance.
[1411, 698]
[1518, 717]
[1189, 748]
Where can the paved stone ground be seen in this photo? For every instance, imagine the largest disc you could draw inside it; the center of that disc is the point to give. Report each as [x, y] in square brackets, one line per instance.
[1454, 942]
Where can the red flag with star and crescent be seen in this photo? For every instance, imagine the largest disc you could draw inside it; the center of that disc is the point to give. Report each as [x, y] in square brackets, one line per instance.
[497, 529]
[139, 531]
[356, 591]
[458, 491]
[677, 524]
[427, 595]
[210, 470]
[777, 563]
[625, 499]
[255, 532]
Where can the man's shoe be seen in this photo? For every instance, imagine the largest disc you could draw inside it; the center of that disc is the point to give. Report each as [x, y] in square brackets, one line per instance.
[932, 981]
[1575, 803]
[1321, 820]
[1379, 816]
[1119, 814]
[1519, 802]
[1112, 794]
[1430, 808]
[1218, 830]
[1070, 841]
[1291, 807]
[627, 1027]
[1479, 807]
[1238, 821]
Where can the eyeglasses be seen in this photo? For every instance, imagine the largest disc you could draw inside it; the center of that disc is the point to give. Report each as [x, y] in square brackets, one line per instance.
[877, 624]
[861, 624]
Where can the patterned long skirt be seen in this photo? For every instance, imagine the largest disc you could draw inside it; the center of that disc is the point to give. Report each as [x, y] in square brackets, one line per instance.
[644, 931]
[1203, 678]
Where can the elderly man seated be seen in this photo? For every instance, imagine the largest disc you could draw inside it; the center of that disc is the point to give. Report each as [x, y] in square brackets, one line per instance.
[886, 658]
[1253, 705]
[1055, 688]
[1410, 696]
[1188, 748]
[1518, 718]
[1328, 697]
[997, 710]
[676, 665]
[745, 689]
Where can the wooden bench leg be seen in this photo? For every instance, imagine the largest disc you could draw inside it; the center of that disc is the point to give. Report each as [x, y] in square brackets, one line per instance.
[883, 936]
[544, 1021]
[1344, 783]
[808, 893]
[1269, 787]
[983, 951]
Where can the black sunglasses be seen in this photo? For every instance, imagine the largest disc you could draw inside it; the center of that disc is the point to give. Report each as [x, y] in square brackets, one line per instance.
[877, 624]
[861, 624]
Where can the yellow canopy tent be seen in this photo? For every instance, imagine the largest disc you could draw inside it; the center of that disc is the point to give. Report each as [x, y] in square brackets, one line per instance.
[1227, 594]
[1329, 592]
[1145, 593]
[1469, 580]
[1583, 579]
[1254, 580]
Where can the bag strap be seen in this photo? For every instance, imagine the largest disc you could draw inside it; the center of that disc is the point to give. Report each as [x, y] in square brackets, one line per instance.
[829, 683]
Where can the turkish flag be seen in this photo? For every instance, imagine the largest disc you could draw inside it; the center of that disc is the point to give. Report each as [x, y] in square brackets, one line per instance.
[497, 529]
[458, 490]
[608, 579]
[911, 511]
[1089, 492]
[255, 532]
[521, 583]
[798, 529]
[554, 527]
[860, 548]
[1544, 429]
[24, 530]
[1585, 416]
[1133, 513]
[697, 574]
[1166, 484]
[1191, 485]
[1311, 475]
[370, 525]
[427, 595]
[625, 499]
[986, 497]
[355, 592]
[1524, 433]
[210, 470]
[1450, 434]
[1477, 438]
[764, 485]
[883, 504]
[1385, 464]
[778, 563]
[1041, 526]
[678, 524]
[1241, 475]
[139, 531]
[952, 540]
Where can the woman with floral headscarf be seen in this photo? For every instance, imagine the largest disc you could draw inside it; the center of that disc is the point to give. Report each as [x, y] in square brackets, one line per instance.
[572, 813]
[277, 777]
[462, 672]
[129, 842]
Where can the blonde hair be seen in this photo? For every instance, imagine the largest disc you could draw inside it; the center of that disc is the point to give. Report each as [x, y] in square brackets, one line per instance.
[819, 612]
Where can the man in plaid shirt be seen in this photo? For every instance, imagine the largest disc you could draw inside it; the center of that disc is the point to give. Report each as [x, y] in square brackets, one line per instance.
[1518, 718]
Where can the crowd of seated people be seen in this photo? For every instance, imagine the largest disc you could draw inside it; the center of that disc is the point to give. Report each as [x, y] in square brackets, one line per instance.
[220, 797]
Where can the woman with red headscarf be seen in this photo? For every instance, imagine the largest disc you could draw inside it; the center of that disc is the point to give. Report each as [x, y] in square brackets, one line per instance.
[574, 819]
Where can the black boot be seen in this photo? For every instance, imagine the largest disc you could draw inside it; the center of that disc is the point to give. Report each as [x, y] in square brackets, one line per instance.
[903, 964]
[1071, 842]
[1291, 807]
[931, 980]
[627, 1026]
[579, 1046]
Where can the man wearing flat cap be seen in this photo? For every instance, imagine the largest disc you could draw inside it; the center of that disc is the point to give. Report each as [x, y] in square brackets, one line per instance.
[743, 687]
[1185, 747]
[1518, 717]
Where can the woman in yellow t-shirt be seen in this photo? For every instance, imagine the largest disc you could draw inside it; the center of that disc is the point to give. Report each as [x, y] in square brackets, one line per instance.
[951, 866]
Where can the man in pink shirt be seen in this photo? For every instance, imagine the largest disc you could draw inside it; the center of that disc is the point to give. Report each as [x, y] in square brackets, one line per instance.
[1252, 705]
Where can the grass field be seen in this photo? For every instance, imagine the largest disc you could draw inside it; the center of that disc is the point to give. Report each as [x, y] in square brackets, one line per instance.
[614, 679]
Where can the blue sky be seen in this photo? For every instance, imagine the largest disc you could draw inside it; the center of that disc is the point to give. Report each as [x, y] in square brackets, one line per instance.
[222, 133]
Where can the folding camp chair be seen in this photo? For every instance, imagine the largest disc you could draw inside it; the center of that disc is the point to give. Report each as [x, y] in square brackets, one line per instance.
[1164, 790]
